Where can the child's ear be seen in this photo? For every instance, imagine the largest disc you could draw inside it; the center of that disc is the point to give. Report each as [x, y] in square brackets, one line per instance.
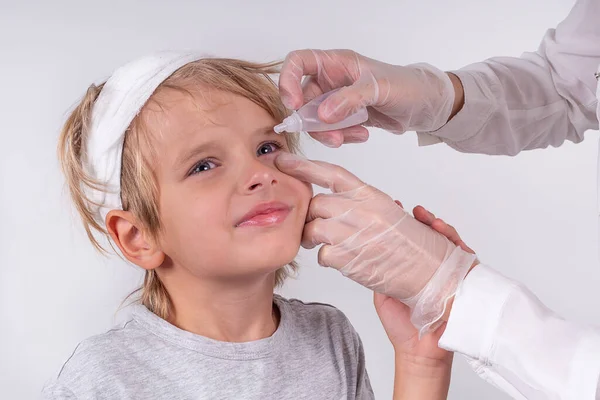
[133, 241]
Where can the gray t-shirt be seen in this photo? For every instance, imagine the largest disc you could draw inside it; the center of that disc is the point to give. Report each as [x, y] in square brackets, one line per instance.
[315, 353]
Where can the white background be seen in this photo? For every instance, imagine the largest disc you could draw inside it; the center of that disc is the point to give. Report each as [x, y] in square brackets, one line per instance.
[533, 217]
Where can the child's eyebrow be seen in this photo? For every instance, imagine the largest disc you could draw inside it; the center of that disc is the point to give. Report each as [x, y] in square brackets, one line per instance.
[190, 153]
[265, 130]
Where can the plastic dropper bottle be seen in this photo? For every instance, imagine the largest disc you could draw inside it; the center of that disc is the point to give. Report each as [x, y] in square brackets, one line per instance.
[306, 118]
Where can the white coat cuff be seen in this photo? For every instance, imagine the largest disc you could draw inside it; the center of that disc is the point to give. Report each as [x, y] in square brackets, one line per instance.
[476, 311]
[585, 369]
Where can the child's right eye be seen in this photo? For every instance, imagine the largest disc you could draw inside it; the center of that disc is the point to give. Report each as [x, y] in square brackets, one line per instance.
[203, 166]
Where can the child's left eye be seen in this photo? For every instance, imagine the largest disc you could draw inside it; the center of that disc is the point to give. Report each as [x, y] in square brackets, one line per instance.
[269, 147]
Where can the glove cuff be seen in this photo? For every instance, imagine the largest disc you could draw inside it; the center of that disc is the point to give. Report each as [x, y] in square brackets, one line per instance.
[429, 305]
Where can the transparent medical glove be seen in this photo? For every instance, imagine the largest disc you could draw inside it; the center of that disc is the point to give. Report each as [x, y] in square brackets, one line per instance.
[373, 241]
[417, 97]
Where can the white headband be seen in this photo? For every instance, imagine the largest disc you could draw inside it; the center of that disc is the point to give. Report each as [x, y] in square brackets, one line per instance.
[121, 99]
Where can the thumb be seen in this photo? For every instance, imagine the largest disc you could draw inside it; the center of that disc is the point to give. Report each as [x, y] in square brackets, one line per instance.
[322, 174]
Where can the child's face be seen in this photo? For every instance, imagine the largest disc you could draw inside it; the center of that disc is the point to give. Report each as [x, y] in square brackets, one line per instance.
[225, 209]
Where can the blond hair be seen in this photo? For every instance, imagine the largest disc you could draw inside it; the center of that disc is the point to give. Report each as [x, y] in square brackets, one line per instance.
[139, 191]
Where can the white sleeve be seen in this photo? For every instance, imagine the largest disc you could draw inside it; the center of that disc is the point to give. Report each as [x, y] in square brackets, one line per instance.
[517, 344]
[540, 99]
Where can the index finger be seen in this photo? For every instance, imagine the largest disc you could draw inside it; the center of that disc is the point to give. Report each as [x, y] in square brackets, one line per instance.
[320, 173]
[296, 64]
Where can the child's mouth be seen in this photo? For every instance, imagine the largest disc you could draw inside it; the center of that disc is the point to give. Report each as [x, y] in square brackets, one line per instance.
[266, 214]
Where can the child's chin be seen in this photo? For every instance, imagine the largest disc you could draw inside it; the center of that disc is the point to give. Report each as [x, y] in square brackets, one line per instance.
[268, 255]
[285, 255]
[278, 256]
[277, 246]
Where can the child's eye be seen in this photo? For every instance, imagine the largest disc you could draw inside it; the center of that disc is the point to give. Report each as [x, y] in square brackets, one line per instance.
[203, 166]
[269, 147]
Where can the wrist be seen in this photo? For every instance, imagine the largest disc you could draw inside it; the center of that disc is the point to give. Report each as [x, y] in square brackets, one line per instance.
[459, 94]
[423, 367]
[450, 302]
[421, 378]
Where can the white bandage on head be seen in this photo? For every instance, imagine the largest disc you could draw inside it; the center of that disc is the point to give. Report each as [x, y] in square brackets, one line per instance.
[121, 99]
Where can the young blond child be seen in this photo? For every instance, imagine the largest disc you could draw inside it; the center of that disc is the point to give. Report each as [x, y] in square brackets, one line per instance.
[173, 159]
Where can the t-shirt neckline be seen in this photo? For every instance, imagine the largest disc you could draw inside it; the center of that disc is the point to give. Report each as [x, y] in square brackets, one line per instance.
[214, 348]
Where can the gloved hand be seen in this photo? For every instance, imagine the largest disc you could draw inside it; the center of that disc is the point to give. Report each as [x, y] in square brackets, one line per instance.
[395, 316]
[373, 241]
[416, 97]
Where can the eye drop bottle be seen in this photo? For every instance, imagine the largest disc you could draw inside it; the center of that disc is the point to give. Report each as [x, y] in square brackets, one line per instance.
[306, 118]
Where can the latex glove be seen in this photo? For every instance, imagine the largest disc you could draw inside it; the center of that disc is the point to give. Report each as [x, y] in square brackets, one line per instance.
[373, 241]
[395, 315]
[395, 318]
[417, 97]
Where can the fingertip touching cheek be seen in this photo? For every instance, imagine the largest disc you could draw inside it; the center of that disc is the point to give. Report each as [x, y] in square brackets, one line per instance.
[225, 209]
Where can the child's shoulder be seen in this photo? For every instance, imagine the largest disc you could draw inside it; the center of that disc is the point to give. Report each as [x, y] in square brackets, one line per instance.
[310, 308]
[118, 337]
[99, 356]
[314, 316]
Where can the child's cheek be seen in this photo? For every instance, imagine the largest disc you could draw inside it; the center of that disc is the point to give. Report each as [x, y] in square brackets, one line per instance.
[303, 189]
[309, 188]
[307, 195]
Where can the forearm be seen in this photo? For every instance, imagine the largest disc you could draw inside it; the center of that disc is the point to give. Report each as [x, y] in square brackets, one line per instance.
[540, 99]
[515, 342]
[421, 378]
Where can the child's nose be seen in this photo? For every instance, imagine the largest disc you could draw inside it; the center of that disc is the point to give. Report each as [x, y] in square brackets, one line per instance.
[261, 177]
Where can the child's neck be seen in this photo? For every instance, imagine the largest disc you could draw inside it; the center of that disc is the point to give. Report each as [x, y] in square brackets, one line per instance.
[224, 311]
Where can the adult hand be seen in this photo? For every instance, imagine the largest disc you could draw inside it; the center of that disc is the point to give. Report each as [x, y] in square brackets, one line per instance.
[398, 98]
[373, 241]
[394, 315]
[422, 368]
[395, 318]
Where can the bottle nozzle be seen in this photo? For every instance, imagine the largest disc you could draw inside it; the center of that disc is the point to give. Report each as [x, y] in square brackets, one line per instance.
[293, 123]
[280, 128]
